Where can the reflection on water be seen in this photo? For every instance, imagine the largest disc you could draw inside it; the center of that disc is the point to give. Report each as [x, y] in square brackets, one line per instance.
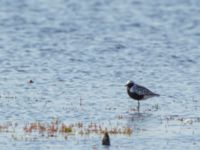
[137, 117]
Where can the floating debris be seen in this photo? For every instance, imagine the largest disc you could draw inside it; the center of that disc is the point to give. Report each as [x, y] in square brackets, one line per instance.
[184, 120]
[30, 81]
[106, 139]
[187, 121]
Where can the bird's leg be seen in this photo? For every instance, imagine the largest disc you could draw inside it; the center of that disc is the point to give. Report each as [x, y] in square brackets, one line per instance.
[138, 105]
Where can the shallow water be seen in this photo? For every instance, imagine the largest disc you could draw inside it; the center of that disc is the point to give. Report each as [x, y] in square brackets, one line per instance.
[87, 50]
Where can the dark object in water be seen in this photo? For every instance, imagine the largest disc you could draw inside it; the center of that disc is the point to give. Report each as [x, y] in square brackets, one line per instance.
[30, 81]
[139, 92]
[106, 139]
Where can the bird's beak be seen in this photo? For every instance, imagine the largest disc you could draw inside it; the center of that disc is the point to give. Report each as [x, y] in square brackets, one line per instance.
[125, 85]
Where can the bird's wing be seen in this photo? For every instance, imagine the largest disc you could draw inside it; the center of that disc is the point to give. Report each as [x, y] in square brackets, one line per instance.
[140, 90]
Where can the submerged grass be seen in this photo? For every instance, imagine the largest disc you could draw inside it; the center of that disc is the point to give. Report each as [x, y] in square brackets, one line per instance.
[61, 129]
[74, 128]
[56, 129]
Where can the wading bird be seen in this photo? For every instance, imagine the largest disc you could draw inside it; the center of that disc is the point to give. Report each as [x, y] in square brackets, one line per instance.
[139, 92]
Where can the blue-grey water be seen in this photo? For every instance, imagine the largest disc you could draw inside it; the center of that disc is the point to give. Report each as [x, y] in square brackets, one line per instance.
[88, 49]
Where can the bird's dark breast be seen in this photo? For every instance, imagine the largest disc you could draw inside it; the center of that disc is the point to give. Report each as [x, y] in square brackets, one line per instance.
[135, 96]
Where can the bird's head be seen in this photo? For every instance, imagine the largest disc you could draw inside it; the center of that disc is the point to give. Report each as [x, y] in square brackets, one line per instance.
[129, 84]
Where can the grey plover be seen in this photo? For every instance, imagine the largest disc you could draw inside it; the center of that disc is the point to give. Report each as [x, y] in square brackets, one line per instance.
[139, 92]
[106, 139]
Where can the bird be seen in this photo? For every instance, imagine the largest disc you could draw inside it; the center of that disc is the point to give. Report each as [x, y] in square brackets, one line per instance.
[138, 92]
[106, 139]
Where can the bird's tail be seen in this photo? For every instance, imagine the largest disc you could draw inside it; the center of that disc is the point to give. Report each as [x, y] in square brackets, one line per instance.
[156, 94]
